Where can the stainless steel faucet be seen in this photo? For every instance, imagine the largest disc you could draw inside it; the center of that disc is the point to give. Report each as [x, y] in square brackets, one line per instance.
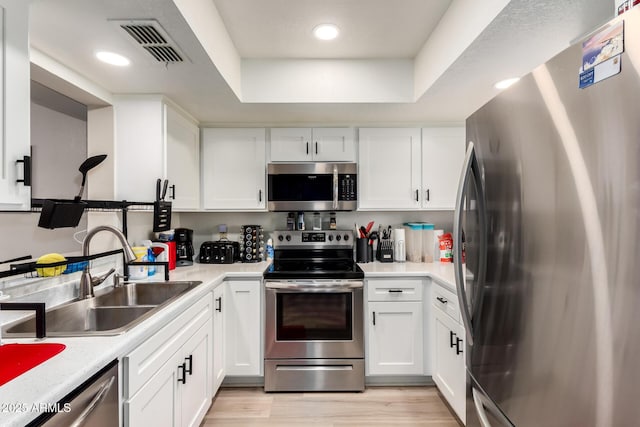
[86, 281]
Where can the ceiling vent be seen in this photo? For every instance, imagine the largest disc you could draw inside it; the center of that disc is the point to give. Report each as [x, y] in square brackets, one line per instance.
[154, 39]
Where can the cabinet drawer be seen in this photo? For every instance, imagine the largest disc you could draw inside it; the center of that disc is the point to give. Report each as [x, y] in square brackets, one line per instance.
[446, 301]
[143, 362]
[394, 289]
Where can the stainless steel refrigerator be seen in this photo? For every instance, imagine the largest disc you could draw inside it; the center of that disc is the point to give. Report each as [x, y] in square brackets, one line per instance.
[549, 210]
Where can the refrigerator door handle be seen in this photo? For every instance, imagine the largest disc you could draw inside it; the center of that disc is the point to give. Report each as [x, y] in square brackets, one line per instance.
[470, 166]
[483, 404]
[457, 245]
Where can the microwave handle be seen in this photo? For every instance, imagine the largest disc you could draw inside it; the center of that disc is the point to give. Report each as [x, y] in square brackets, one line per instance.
[335, 186]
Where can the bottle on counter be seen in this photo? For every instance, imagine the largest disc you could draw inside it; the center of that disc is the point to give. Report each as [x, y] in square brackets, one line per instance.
[269, 250]
[291, 221]
[317, 221]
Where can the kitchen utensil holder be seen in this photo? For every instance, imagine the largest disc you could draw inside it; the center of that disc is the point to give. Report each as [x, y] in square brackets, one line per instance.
[364, 251]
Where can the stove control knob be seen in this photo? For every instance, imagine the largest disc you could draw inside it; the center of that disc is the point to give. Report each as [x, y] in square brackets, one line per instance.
[346, 237]
[338, 237]
[288, 237]
[280, 238]
[330, 238]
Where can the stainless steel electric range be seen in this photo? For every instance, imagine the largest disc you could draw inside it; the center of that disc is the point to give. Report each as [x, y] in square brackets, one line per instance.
[314, 338]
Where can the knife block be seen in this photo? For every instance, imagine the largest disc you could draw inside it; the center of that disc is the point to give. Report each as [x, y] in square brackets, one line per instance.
[384, 252]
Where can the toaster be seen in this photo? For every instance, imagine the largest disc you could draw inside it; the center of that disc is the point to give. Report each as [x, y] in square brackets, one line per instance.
[220, 252]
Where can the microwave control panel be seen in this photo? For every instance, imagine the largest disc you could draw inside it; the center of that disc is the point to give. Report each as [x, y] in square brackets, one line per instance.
[347, 187]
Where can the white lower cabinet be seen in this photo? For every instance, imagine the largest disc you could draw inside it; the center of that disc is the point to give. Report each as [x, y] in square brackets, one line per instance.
[243, 336]
[219, 368]
[167, 379]
[448, 351]
[395, 338]
[195, 366]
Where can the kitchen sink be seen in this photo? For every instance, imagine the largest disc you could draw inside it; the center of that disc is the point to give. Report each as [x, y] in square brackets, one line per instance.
[142, 293]
[112, 312]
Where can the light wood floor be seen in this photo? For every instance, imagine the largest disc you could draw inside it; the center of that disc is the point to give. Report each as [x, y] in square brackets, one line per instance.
[376, 406]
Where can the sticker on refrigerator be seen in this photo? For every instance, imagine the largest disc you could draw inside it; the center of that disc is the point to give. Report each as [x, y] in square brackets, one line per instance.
[603, 46]
[601, 55]
[600, 72]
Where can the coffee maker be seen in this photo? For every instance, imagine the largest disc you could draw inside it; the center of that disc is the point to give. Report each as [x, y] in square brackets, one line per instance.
[184, 246]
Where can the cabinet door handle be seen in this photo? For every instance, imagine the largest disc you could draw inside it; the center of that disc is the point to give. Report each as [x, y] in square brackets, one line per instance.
[307, 148]
[442, 300]
[189, 368]
[173, 191]
[316, 147]
[417, 195]
[260, 196]
[395, 291]
[182, 375]
[458, 349]
[374, 318]
[219, 307]
[452, 335]
[26, 171]
[427, 193]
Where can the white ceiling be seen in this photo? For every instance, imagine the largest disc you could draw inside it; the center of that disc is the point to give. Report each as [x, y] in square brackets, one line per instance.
[453, 76]
[369, 28]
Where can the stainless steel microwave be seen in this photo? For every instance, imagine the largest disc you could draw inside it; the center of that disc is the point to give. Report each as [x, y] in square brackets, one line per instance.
[312, 186]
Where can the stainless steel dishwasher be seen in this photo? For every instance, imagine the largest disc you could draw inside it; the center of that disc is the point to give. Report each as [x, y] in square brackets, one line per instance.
[94, 403]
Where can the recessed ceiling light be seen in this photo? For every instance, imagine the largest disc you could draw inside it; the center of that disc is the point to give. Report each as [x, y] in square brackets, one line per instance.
[113, 58]
[326, 31]
[506, 83]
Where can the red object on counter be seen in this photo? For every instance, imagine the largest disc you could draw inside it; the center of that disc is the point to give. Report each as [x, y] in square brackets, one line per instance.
[16, 359]
[446, 247]
[172, 254]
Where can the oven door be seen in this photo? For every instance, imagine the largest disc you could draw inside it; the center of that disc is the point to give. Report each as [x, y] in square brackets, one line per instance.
[314, 319]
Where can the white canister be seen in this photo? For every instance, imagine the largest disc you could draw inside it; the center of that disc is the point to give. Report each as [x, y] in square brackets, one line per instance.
[399, 245]
[428, 245]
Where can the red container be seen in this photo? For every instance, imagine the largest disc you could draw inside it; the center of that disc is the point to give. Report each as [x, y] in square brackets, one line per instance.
[172, 255]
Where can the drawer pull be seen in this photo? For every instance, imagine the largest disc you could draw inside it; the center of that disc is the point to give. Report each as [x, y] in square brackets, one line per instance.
[452, 335]
[374, 318]
[182, 376]
[189, 359]
[442, 300]
[395, 291]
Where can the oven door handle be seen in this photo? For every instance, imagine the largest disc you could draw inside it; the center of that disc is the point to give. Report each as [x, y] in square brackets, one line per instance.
[304, 285]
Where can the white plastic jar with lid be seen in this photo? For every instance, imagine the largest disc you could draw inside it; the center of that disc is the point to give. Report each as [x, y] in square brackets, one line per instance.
[427, 242]
[413, 232]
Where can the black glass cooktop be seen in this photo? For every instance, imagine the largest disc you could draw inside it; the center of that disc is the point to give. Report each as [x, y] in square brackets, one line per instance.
[292, 265]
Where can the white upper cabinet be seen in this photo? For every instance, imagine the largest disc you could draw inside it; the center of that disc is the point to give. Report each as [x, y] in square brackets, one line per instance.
[409, 168]
[317, 144]
[15, 195]
[442, 157]
[154, 139]
[183, 161]
[234, 169]
[389, 169]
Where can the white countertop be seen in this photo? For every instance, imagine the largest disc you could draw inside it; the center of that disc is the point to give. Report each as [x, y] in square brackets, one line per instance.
[84, 356]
